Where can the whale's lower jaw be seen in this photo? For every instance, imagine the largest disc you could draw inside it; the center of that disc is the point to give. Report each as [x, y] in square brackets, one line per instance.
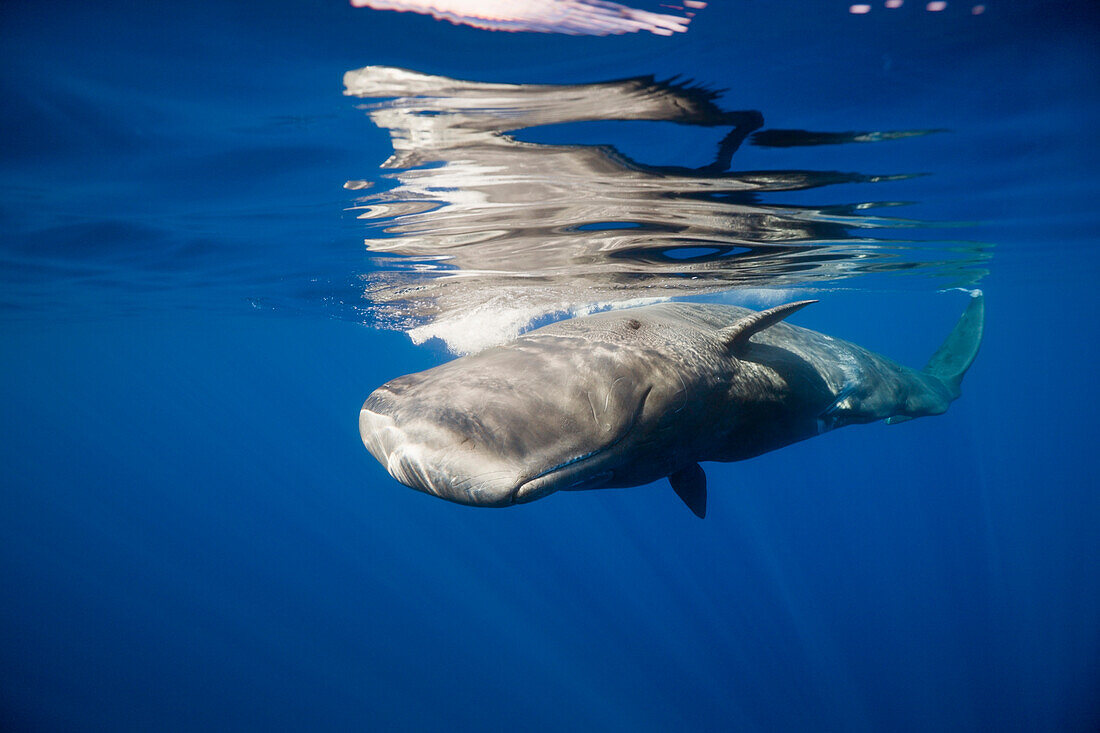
[454, 475]
[467, 477]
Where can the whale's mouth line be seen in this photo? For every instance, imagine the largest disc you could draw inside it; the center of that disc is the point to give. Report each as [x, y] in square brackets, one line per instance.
[518, 492]
[578, 459]
[521, 494]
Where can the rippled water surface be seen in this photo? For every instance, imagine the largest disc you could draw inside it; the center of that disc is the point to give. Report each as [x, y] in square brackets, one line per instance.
[225, 224]
[497, 232]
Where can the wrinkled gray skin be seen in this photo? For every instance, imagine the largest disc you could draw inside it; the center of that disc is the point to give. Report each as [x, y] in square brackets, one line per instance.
[628, 397]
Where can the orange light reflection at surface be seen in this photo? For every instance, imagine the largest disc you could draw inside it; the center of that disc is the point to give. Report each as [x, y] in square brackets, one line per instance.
[573, 17]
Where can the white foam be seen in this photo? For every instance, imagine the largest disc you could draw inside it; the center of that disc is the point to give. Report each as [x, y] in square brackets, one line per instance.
[761, 297]
[493, 324]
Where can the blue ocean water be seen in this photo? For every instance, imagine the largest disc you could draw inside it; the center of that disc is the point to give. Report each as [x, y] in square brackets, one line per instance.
[193, 537]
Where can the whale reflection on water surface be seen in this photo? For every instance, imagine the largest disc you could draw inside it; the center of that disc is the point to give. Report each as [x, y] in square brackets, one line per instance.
[483, 234]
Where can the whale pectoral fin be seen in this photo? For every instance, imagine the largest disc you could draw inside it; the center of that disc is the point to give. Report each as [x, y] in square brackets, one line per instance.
[828, 418]
[736, 336]
[690, 484]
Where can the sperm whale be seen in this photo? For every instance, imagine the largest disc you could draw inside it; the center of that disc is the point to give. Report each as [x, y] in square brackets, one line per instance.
[624, 398]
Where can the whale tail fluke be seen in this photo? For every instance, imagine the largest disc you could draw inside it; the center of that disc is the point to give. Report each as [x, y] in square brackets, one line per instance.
[957, 353]
[950, 362]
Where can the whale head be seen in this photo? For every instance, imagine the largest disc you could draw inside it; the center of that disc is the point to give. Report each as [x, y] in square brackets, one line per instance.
[432, 447]
[514, 424]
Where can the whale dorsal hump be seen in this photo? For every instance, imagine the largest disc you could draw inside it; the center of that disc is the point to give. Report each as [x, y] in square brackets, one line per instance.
[690, 484]
[736, 336]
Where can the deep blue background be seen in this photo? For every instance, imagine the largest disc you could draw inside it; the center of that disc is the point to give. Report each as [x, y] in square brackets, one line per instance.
[192, 536]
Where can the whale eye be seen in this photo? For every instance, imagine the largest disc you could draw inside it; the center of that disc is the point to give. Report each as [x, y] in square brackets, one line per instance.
[634, 324]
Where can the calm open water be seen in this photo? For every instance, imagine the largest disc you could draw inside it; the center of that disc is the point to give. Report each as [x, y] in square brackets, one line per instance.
[215, 241]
